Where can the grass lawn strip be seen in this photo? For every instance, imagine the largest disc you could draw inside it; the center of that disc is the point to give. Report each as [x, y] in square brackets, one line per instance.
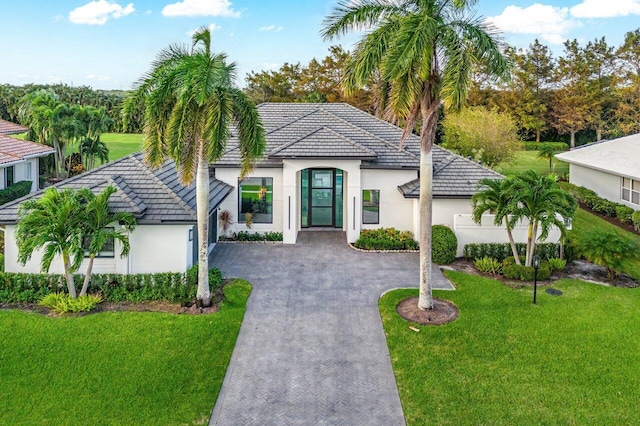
[121, 144]
[526, 160]
[117, 367]
[570, 359]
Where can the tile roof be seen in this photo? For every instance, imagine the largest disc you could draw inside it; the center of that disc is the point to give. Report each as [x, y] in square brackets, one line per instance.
[341, 131]
[152, 196]
[12, 149]
[9, 128]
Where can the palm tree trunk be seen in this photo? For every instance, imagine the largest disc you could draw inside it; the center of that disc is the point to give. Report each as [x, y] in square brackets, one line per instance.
[202, 201]
[527, 261]
[533, 243]
[512, 243]
[69, 276]
[87, 276]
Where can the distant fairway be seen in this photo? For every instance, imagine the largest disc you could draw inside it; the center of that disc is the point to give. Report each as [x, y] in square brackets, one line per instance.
[121, 144]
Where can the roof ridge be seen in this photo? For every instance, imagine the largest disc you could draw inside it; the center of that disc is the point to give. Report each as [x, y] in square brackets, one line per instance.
[121, 183]
[172, 194]
[321, 128]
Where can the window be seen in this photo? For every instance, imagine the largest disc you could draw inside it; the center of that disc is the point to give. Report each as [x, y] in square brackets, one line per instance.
[631, 190]
[108, 249]
[8, 176]
[371, 206]
[256, 197]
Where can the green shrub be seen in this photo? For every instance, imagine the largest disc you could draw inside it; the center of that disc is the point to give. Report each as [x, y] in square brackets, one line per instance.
[500, 251]
[557, 264]
[170, 286]
[62, 303]
[386, 239]
[534, 146]
[608, 249]
[488, 265]
[1, 262]
[252, 236]
[635, 218]
[604, 207]
[624, 213]
[524, 273]
[15, 191]
[444, 245]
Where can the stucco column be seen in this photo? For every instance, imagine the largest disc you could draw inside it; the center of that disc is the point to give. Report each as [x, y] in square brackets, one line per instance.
[353, 202]
[290, 206]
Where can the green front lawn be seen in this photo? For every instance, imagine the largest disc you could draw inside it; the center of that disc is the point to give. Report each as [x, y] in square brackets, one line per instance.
[121, 144]
[571, 359]
[587, 222]
[528, 160]
[118, 367]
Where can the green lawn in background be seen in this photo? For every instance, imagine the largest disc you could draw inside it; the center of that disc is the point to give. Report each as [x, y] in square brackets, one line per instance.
[121, 144]
[134, 368]
[570, 360]
[526, 160]
[588, 222]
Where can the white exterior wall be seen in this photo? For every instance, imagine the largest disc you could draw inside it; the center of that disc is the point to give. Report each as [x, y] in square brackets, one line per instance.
[154, 248]
[230, 176]
[395, 210]
[606, 185]
[26, 170]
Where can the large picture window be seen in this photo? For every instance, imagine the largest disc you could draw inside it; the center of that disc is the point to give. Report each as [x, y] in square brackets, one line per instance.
[371, 206]
[631, 190]
[256, 198]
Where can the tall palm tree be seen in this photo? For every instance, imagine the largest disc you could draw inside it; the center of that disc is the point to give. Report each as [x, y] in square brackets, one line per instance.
[544, 204]
[190, 104]
[425, 50]
[52, 223]
[96, 227]
[92, 149]
[548, 151]
[497, 197]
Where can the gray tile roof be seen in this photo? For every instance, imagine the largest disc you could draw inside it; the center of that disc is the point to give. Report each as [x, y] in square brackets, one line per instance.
[341, 131]
[153, 196]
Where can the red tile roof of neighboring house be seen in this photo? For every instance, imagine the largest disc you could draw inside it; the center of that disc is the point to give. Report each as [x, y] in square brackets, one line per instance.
[12, 149]
[9, 128]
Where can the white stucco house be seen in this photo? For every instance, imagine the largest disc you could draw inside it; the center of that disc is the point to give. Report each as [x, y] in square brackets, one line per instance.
[610, 168]
[19, 159]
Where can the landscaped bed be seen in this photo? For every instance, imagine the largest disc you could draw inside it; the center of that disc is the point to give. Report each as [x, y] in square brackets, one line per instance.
[116, 367]
[570, 359]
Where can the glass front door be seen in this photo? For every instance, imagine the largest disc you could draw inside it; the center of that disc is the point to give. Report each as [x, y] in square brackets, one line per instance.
[321, 197]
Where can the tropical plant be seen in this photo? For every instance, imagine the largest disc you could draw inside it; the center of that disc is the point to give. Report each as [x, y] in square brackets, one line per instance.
[93, 149]
[608, 249]
[488, 265]
[190, 103]
[225, 220]
[635, 218]
[98, 227]
[424, 53]
[497, 197]
[544, 204]
[557, 264]
[548, 151]
[52, 223]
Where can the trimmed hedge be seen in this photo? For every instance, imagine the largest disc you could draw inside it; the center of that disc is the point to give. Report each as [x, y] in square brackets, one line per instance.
[501, 251]
[386, 239]
[513, 271]
[635, 217]
[535, 146]
[444, 245]
[171, 286]
[592, 201]
[252, 236]
[15, 191]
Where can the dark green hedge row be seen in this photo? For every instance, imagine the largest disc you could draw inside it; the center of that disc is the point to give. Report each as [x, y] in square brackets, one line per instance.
[15, 191]
[252, 236]
[513, 271]
[535, 146]
[386, 239]
[170, 287]
[501, 251]
[592, 201]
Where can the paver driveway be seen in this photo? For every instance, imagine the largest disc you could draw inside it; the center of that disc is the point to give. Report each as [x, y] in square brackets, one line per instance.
[311, 350]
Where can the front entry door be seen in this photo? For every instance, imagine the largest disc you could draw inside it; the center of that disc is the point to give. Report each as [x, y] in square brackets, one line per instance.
[322, 197]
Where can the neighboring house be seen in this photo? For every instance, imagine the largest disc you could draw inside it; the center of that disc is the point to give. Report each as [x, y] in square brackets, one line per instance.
[610, 168]
[165, 237]
[19, 159]
[334, 166]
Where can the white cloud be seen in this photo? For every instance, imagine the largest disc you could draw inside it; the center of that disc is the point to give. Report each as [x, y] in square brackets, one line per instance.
[212, 27]
[148, 12]
[98, 12]
[550, 23]
[605, 8]
[270, 28]
[201, 8]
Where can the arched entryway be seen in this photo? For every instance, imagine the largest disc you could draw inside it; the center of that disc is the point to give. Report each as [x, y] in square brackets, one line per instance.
[321, 198]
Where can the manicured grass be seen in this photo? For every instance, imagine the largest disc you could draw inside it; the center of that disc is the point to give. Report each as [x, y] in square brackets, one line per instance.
[116, 368]
[121, 144]
[587, 222]
[568, 360]
[526, 160]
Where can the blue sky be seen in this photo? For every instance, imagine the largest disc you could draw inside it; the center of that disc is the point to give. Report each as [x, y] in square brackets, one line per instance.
[108, 44]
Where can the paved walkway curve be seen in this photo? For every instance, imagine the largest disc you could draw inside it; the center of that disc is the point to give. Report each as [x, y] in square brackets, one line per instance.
[311, 350]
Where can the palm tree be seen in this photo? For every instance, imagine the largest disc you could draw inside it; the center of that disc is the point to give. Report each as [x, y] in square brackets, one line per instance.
[497, 197]
[548, 151]
[92, 149]
[190, 103]
[52, 223]
[96, 229]
[425, 50]
[544, 204]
